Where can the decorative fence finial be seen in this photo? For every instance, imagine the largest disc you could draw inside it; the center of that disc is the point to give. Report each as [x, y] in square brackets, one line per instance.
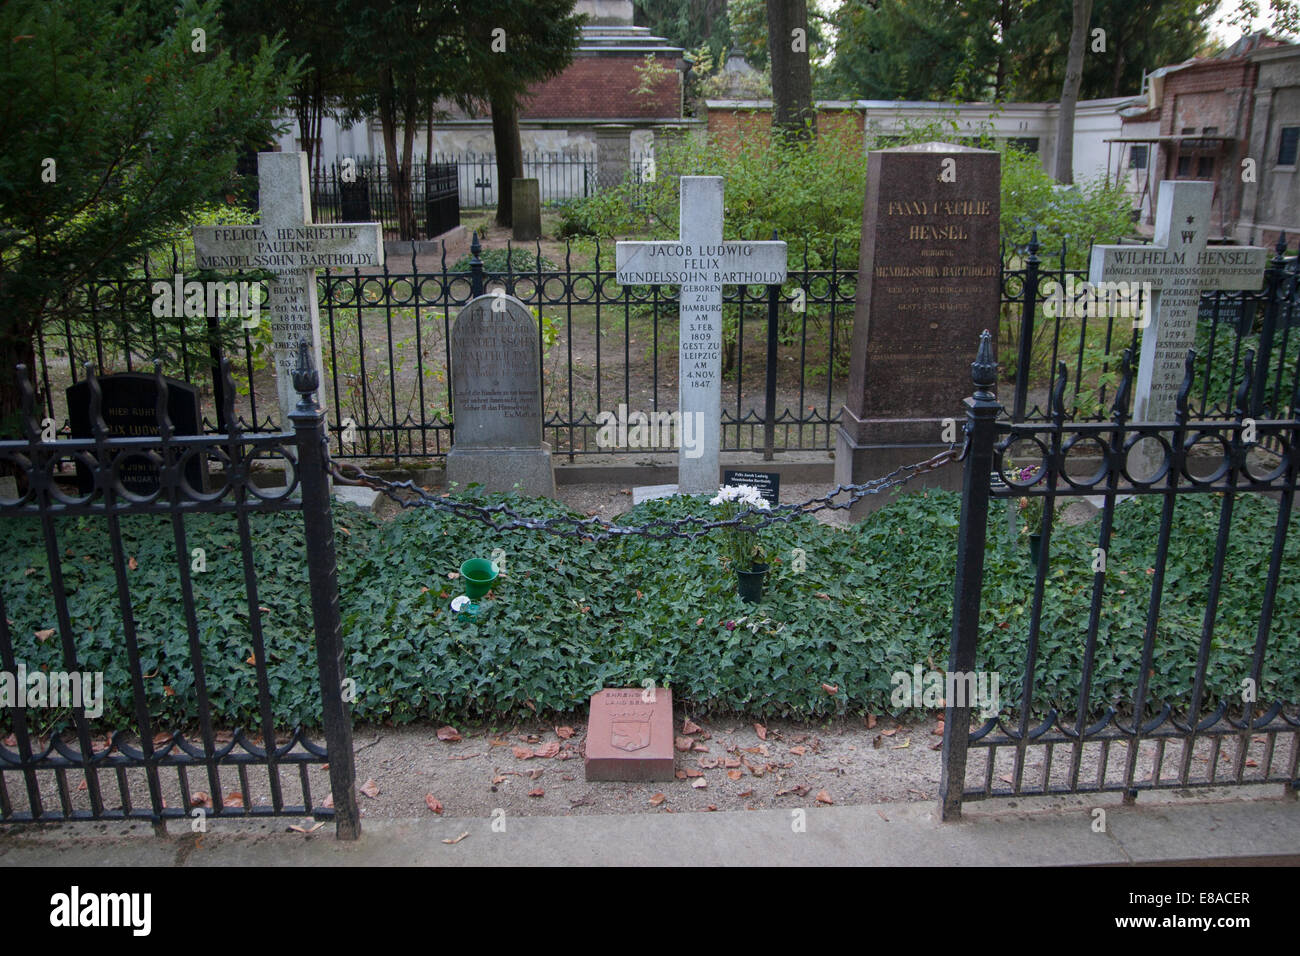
[984, 371]
[305, 378]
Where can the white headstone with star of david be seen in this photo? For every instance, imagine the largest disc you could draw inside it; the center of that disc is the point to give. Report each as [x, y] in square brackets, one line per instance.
[701, 263]
[287, 243]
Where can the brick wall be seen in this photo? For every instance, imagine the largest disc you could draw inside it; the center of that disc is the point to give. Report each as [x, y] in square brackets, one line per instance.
[602, 87]
[1216, 94]
[730, 125]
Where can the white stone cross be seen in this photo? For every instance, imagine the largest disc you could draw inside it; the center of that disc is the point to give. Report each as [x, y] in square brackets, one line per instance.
[701, 263]
[1178, 266]
[287, 243]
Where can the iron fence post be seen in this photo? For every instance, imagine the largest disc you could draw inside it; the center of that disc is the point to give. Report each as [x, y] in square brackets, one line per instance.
[1268, 330]
[475, 268]
[769, 409]
[318, 528]
[1025, 346]
[981, 421]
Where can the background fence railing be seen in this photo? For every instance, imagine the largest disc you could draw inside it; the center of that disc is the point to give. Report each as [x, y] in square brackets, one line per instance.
[386, 340]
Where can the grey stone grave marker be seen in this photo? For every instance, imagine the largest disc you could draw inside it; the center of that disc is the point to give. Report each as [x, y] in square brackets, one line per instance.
[496, 395]
[287, 243]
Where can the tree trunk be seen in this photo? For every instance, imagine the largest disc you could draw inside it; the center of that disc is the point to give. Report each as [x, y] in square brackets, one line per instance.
[792, 102]
[15, 349]
[1064, 165]
[510, 153]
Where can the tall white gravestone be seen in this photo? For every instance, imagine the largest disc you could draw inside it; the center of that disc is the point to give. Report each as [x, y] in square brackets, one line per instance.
[287, 243]
[1179, 267]
[701, 263]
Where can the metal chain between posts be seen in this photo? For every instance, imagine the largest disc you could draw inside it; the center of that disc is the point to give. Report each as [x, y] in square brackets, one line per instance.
[501, 517]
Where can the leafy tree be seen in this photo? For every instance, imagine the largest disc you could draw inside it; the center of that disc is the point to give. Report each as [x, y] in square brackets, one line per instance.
[688, 23]
[402, 55]
[117, 124]
[540, 39]
[968, 50]
[310, 42]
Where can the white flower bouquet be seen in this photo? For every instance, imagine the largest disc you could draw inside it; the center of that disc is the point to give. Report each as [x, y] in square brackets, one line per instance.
[742, 546]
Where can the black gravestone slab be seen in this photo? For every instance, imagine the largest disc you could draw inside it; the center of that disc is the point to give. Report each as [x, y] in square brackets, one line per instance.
[768, 483]
[129, 409]
[1233, 312]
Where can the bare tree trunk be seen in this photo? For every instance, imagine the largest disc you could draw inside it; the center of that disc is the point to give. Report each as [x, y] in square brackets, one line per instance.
[1064, 165]
[510, 153]
[792, 102]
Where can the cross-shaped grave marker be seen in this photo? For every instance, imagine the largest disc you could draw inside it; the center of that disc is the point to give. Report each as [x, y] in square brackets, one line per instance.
[287, 243]
[701, 263]
[1178, 267]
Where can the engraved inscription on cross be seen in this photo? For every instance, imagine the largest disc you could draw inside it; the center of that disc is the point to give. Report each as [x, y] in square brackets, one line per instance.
[701, 263]
[1179, 267]
[287, 243]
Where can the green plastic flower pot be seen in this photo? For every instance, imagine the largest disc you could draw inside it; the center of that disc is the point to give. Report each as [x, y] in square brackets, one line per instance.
[479, 574]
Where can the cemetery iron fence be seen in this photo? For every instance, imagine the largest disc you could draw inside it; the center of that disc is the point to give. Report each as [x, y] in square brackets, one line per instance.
[1050, 315]
[386, 336]
[386, 339]
[144, 772]
[1122, 735]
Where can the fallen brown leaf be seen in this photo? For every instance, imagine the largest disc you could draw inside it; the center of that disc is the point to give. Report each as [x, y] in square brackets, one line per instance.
[831, 689]
[761, 731]
[433, 803]
[547, 750]
[824, 797]
[683, 743]
[798, 751]
[449, 734]
[370, 788]
[699, 783]
[538, 792]
[200, 798]
[234, 799]
[45, 635]
[692, 772]
[690, 728]
[522, 753]
[657, 799]
[734, 774]
[871, 721]
[564, 733]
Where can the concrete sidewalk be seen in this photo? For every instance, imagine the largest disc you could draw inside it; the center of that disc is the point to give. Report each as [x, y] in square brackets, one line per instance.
[1052, 832]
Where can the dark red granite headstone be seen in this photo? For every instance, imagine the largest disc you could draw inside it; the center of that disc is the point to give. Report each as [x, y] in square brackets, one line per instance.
[928, 284]
[630, 737]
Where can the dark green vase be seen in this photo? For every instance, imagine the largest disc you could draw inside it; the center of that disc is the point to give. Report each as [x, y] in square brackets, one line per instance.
[749, 584]
[1035, 548]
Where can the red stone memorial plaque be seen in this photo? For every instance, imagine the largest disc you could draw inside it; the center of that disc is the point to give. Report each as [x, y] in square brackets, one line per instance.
[629, 736]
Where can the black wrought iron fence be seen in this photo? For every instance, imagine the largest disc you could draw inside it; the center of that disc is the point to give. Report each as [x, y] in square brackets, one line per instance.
[386, 340]
[1050, 314]
[1126, 671]
[604, 347]
[148, 744]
